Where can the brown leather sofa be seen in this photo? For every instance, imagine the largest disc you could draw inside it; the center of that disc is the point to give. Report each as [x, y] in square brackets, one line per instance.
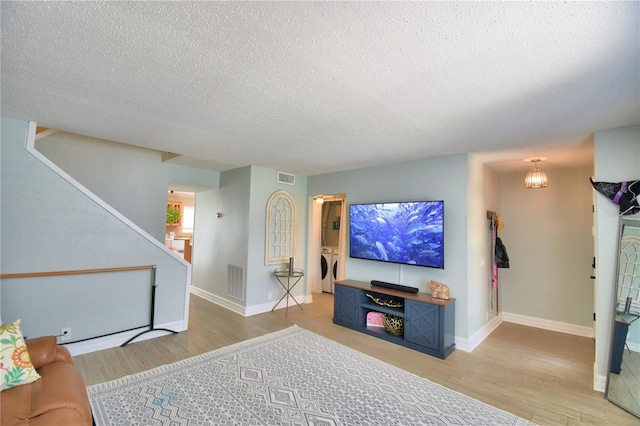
[58, 398]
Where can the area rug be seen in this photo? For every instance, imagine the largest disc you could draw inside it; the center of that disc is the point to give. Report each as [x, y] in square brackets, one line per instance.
[290, 377]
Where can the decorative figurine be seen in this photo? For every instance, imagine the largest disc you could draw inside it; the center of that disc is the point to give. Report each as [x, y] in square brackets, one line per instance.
[438, 290]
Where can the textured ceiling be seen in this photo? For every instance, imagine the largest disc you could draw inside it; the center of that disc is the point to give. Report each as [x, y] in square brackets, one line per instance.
[315, 87]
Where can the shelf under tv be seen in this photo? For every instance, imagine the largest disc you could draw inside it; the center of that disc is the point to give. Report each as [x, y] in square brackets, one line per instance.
[429, 324]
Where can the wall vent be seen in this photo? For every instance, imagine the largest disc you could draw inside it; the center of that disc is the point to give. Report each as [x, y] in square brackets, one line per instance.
[235, 282]
[286, 178]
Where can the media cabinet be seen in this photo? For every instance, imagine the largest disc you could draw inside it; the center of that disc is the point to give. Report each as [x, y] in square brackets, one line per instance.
[429, 324]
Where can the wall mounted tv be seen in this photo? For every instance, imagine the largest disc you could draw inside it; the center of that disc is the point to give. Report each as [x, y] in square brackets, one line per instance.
[410, 233]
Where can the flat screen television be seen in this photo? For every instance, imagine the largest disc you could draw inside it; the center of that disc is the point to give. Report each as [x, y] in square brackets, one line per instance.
[410, 233]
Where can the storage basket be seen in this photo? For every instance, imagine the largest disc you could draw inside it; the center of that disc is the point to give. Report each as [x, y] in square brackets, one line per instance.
[393, 324]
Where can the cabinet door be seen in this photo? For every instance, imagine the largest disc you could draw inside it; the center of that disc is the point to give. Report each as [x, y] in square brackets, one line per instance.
[346, 305]
[422, 324]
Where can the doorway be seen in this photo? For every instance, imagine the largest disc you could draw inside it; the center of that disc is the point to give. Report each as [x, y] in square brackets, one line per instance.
[180, 226]
[327, 242]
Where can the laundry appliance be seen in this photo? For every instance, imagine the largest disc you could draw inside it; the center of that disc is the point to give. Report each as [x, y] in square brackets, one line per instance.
[326, 263]
[334, 267]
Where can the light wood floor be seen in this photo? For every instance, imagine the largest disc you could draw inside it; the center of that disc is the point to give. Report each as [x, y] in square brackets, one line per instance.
[542, 376]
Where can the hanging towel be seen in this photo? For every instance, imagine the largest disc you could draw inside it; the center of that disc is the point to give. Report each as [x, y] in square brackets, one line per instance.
[502, 258]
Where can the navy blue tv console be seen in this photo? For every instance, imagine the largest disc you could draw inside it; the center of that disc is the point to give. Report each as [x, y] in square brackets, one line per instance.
[429, 324]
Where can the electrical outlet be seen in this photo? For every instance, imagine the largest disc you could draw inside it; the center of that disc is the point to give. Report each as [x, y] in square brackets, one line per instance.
[65, 334]
[270, 295]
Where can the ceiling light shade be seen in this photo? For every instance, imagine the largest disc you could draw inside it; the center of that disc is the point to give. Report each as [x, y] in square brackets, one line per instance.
[319, 199]
[536, 178]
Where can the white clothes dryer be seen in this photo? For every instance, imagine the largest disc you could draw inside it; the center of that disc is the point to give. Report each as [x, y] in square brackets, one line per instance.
[325, 269]
[334, 267]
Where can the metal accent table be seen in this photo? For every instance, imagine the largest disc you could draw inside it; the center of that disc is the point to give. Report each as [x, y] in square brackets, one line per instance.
[291, 279]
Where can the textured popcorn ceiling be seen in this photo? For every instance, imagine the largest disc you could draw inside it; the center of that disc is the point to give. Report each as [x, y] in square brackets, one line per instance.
[314, 87]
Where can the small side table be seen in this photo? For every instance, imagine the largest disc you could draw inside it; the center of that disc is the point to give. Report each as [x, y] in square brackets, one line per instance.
[291, 279]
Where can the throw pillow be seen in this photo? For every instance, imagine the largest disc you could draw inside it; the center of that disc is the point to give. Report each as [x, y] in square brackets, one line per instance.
[15, 364]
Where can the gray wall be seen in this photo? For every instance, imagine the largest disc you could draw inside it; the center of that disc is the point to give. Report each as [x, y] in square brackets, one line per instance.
[50, 225]
[238, 237]
[131, 179]
[548, 235]
[224, 241]
[260, 279]
[208, 231]
[483, 195]
[443, 178]
[134, 181]
[617, 158]
[558, 218]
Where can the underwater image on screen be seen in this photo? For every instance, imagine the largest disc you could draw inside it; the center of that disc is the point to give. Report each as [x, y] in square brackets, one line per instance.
[409, 232]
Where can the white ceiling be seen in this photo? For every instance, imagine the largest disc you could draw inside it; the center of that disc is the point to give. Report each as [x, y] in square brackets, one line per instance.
[316, 87]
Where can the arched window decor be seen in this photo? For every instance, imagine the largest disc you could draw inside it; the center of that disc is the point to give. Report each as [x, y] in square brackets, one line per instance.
[281, 226]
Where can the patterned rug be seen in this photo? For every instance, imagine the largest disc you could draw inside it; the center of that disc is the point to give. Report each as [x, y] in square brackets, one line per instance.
[290, 377]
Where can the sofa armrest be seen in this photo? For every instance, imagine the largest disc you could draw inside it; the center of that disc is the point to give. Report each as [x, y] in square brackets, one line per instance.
[45, 350]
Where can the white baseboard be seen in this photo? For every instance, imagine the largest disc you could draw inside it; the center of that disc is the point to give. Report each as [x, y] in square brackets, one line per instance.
[249, 310]
[225, 303]
[599, 381]
[468, 345]
[561, 327]
[115, 340]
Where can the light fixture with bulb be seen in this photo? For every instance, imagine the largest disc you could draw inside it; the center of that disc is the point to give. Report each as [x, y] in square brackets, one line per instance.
[536, 178]
[319, 199]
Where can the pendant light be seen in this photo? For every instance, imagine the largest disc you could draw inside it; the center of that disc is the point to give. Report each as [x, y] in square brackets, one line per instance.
[536, 178]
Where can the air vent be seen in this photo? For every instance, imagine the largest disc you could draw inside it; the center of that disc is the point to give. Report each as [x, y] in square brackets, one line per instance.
[286, 178]
[235, 281]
